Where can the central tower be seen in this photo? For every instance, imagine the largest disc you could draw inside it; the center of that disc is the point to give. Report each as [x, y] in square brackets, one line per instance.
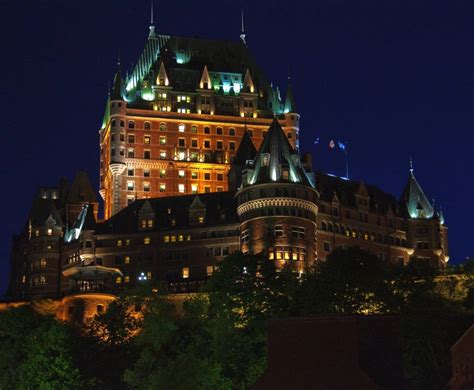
[277, 204]
[173, 125]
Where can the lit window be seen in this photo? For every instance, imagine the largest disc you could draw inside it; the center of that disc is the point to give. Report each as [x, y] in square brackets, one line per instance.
[182, 156]
[181, 128]
[126, 260]
[162, 187]
[127, 279]
[146, 240]
[49, 246]
[163, 154]
[127, 242]
[148, 275]
[181, 188]
[146, 139]
[43, 263]
[188, 237]
[119, 242]
[162, 126]
[37, 233]
[118, 280]
[173, 238]
[181, 174]
[50, 232]
[194, 175]
[244, 236]
[201, 219]
[166, 238]
[130, 185]
[185, 273]
[146, 173]
[194, 188]
[146, 187]
[209, 270]
[163, 173]
[42, 280]
[163, 140]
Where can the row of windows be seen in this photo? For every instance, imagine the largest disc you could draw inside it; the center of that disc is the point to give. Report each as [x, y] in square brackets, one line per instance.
[42, 245]
[181, 155]
[163, 173]
[278, 192]
[163, 140]
[275, 211]
[42, 263]
[350, 232]
[287, 253]
[162, 188]
[49, 232]
[363, 217]
[38, 280]
[279, 231]
[193, 129]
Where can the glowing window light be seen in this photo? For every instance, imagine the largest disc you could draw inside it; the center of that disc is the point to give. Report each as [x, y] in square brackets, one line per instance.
[185, 273]
[181, 128]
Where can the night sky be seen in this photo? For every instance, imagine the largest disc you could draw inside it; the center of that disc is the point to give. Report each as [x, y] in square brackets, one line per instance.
[392, 78]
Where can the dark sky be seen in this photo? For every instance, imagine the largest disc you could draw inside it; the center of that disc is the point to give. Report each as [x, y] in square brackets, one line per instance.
[394, 78]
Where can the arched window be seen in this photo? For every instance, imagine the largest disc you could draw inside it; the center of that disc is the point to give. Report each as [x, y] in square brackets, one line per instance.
[336, 228]
[231, 131]
[330, 228]
[162, 126]
[131, 124]
[324, 226]
[354, 233]
[113, 123]
[147, 125]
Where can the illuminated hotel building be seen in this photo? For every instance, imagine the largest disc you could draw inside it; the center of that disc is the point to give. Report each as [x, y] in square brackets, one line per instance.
[199, 158]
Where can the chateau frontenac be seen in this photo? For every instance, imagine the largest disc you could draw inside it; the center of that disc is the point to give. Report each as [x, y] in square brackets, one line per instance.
[200, 158]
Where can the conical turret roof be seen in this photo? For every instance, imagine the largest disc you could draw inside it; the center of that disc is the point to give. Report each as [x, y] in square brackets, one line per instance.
[415, 200]
[277, 161]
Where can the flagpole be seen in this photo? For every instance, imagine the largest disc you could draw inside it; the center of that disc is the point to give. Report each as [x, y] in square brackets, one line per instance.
[347, 163]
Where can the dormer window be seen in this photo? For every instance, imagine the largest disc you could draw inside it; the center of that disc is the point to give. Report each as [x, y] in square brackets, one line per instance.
[265, 160]
[285, 174]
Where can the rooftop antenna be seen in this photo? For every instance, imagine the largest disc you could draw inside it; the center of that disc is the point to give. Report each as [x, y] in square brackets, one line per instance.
[411, 165]
[242, 32]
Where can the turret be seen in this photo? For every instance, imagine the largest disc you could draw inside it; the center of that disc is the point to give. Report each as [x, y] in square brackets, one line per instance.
[277, 204]
[292, 118]
[426, 233]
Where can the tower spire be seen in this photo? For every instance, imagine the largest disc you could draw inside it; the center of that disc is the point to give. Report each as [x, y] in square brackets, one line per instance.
[411, 165]
[242, 30]
[152, 22]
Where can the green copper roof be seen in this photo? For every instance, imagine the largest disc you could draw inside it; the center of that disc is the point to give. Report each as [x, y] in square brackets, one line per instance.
[290, 105]
[106, 117]
[277, 161]
[415, 200]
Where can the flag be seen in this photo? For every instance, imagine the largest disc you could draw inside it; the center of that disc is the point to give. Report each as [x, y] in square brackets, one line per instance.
[342, 145]
[332, 144]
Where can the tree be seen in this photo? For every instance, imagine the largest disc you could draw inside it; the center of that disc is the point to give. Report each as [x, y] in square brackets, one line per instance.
[49, 359]
[15, 324]
[350, 281]
[174, 349]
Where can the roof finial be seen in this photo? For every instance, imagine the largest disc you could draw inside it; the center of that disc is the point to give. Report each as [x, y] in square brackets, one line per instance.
[411, 165]
[242, 32]
[152, 22]
[151, 14]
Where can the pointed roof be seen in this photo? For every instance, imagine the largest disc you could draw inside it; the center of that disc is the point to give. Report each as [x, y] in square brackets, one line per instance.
[162, 75]
[246, 150]
[274, 157]
[205, 78]
[43, 210]
[197, 204]
[117, 88]
[414, 199]
[81, 190]
[249, 85]
[290, 105]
